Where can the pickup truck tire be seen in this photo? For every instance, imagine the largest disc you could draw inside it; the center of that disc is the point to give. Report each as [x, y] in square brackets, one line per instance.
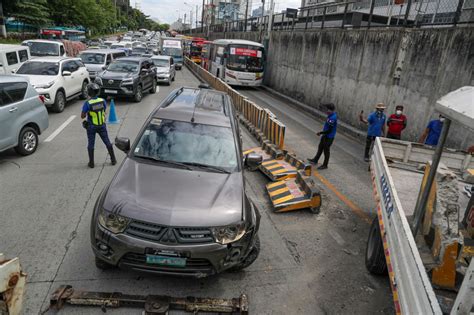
[59, 102]
[374, 255]
[27, 141]
[251, 257]
[84, 93]
[138, 94]
[103, 265]
[153, 87]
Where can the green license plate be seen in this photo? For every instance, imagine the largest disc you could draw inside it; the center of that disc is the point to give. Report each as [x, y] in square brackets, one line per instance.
[166, 261]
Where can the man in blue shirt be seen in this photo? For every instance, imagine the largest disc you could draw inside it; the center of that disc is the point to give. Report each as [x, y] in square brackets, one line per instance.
[94, 109]
[432, 132]
[328, 135]
[376, 122]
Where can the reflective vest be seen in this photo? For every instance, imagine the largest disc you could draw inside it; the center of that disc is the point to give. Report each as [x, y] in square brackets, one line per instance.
[97, 111]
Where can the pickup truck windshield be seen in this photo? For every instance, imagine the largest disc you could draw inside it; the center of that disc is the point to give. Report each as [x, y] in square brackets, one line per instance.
[92, 58]
[123, 66]
[43, 49]
[188, 143]
[39, 68]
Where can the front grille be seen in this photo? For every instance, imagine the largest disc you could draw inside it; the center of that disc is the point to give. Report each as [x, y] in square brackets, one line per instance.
[193, 265]
[115, 84]
[169, 235]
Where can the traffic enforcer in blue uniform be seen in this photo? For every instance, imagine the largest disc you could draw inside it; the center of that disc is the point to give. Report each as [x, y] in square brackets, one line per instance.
[94, 109]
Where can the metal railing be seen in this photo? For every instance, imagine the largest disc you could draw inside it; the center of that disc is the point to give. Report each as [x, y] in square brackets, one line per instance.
[356, 14]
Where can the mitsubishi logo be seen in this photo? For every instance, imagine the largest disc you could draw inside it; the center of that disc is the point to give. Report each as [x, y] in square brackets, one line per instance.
[111, 81]
[168, 237]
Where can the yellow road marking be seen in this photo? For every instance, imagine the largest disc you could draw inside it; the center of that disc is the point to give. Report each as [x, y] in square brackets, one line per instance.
[364, 216]
[278, 191]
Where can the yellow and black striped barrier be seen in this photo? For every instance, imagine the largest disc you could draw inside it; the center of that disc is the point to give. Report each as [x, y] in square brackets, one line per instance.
[288, 167]
[295, 193]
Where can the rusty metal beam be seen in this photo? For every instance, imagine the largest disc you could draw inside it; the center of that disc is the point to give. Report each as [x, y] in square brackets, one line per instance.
[152, 304]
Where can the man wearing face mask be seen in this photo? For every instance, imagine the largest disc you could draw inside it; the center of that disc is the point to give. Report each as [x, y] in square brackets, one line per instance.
[376, 122]
[432, 131]
[327, 137]
[396, 123]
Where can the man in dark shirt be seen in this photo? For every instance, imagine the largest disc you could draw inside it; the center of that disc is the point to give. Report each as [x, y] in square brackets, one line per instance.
[328, 134]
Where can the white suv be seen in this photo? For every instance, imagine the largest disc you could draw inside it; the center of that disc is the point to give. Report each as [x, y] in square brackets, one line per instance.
[58, 79]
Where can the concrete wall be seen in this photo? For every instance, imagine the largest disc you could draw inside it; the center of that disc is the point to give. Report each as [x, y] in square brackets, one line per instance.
[356, 69]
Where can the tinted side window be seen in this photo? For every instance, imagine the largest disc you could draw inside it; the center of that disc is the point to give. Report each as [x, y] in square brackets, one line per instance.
[23, 54]
[118, 55]
[109, 59]
[11, 58]
[79, 63]
[12, 92]
[61, 50]
[70, 66]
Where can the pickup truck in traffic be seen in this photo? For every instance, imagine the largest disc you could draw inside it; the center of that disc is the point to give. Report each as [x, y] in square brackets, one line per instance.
[425, 240]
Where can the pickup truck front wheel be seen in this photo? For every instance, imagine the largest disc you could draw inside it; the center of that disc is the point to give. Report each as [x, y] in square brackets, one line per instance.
[374, 254]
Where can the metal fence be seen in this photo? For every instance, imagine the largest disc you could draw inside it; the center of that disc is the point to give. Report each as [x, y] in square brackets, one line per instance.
[357, 14]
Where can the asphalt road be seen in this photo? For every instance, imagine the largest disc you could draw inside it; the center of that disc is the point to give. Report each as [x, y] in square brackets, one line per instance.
[309, 264]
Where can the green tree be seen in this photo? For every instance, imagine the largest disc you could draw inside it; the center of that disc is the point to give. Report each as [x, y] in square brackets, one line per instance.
[33, 12]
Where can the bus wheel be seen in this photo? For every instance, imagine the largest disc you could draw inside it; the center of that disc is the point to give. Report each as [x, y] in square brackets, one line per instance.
[374, 254]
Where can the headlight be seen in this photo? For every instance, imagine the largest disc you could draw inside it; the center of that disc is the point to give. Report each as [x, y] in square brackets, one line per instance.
[98, 80]
[113, 222]
[45, 86]
[127, 81]
[228, 234]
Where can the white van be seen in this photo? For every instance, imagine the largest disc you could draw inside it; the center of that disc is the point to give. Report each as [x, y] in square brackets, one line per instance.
[45, 48]
[12, 57]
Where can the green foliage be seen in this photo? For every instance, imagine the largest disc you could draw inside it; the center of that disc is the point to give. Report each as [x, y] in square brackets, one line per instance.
[97, 16]
[34, 12]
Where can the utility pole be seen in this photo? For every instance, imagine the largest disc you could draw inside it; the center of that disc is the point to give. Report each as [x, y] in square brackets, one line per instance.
[246, 14]
[202, 16]
[3, 29]
[197, 17]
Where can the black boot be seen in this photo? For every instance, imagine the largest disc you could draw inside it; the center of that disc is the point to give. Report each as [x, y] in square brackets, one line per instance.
[91, 158]
[113, 160]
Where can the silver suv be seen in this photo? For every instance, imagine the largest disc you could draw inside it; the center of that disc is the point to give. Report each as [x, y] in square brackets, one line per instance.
[177, 204]
[23, 115]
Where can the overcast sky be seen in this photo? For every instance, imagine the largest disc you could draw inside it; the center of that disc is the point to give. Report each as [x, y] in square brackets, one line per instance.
[168, 11]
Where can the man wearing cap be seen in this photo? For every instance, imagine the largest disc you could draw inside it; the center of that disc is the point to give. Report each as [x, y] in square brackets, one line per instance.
[376, 123]
[396, 123]
[327, 137]
[432, 131]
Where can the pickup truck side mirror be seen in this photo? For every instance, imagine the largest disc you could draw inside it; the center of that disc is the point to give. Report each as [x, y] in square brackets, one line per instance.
[253, 160]
[66, 73]
[122, 144]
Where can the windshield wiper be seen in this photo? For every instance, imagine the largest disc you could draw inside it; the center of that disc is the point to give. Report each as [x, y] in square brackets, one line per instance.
[182, 165]
[211, 167]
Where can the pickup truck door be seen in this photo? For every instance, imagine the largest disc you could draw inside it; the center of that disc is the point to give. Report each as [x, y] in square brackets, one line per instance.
[70, 81]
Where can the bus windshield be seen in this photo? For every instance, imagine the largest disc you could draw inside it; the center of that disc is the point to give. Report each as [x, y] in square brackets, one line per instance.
[245, 58]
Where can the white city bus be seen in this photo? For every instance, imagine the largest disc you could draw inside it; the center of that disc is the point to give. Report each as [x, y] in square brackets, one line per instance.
[237, 62]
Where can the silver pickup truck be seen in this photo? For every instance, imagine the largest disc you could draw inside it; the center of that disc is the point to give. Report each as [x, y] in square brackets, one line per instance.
[423, 235]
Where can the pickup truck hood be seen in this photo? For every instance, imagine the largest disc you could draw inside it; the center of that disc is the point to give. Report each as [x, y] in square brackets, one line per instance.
[175, 197]
[39, 79]
[106, 75]
[94, 67]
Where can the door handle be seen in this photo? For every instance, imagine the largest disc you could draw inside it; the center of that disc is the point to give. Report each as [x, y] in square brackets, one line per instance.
[14, 109]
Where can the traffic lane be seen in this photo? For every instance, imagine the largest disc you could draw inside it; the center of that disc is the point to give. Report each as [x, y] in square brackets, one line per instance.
[275, 276]
[347, 171]
[46, 194]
